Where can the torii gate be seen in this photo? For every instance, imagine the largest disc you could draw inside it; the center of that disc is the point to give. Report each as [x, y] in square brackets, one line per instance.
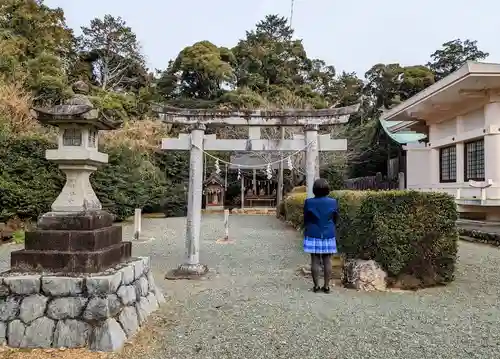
[197, 142]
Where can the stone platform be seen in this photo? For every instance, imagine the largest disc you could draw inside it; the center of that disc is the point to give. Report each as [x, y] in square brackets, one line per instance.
[99, 311]
[82, 242]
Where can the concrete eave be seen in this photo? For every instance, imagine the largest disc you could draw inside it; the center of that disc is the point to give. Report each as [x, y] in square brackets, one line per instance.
[468, 85]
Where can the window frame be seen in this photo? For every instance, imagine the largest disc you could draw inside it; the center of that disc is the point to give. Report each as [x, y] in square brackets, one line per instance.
[452, 168]
[466, 161]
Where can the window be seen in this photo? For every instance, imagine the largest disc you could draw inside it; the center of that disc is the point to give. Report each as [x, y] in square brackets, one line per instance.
[448, 164]
[72, 137]
[474, 160]
[92, 138]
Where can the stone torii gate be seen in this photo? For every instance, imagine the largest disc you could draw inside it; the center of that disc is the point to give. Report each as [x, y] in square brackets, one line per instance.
[196, 142]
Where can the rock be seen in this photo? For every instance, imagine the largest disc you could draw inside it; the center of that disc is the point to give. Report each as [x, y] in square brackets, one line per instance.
[97, 309]
[141, 287]
[128, 320]
[143, 310]
[39, 334]
[9, 308]
[127, 294]
[15, 332]
[3, 333]
[107, 284]
[363, 275]
[64, 308]
[62, 286]
[23, 285]
[128, 274]
[114, 305]
[71, 333]
[151, 281]
[32, 307]
[138, 269]
[108, 337]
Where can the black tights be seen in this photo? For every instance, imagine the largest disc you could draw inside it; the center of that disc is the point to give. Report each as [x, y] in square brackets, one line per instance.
[316, 268]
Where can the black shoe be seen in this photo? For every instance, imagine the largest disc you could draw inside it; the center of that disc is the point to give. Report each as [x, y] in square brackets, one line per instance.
[316, 289]
[326, 289]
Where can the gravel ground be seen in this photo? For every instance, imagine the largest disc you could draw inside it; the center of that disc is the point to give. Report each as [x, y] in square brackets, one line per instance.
[254, 305]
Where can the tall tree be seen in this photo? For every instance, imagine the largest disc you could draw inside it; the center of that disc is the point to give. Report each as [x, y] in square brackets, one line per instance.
[413, 80]
[200, 71]
[269, 56]
[115, 51]
[454, 54]
[35, 47]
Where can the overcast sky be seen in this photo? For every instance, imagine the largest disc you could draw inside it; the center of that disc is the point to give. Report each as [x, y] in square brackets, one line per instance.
[353, 35]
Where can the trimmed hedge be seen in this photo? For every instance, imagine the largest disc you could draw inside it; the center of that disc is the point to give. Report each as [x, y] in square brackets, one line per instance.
[408, 233]
[479, 236]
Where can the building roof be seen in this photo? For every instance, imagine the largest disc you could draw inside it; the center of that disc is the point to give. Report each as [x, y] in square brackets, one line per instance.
[462, 91]
[399, 132]
[459, 88]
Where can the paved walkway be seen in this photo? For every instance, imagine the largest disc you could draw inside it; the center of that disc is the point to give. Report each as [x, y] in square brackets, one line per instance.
[255, 306]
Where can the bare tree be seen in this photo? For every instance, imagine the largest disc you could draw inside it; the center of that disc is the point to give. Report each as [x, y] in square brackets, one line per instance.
[114, 50]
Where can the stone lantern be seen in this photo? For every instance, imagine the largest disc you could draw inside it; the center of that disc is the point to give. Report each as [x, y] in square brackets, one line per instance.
[75, 283]
[77, 153]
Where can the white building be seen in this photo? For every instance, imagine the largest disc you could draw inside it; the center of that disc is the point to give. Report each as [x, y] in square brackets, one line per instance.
[461, 154]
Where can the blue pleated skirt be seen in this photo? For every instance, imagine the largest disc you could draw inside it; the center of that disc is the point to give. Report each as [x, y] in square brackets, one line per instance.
[320, 245]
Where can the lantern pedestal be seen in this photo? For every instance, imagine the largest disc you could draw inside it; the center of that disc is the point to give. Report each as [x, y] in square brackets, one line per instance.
[84, 242]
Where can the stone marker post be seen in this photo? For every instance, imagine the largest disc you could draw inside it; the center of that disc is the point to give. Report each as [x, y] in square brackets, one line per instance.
[226, 225]
[75, 283]
[137, 223]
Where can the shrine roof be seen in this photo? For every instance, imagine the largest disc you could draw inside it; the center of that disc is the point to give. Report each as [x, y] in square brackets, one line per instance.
[400, 131]
[255, 159]
[214, 177]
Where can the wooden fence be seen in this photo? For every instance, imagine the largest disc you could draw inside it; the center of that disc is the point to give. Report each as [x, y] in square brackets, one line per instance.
[377, 182]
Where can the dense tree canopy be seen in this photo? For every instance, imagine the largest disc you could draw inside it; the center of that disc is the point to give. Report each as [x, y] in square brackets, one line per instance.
[267, 67]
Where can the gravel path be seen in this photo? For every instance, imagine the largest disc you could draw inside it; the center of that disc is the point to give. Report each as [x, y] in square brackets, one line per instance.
[255, 306]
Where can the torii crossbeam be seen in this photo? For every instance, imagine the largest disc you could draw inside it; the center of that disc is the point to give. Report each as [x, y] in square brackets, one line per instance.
[197, 142]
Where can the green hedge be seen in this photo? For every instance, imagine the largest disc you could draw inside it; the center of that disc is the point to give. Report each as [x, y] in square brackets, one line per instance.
[480, 236]
[29, 183]
[409, 233]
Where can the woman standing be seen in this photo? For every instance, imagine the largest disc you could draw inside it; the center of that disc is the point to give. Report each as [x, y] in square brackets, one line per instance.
[320, 216]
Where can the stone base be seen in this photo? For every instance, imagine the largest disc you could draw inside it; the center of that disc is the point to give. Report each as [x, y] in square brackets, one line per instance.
[188, 271]
[99, 311]
[84, 242]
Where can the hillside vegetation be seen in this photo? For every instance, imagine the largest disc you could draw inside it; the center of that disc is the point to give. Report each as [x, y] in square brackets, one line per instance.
[40, 57]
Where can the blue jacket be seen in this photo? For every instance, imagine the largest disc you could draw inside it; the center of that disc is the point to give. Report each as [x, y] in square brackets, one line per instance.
[318, 217]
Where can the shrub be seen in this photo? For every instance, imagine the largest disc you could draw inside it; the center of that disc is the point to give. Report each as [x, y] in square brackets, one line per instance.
[128, 181]
[28, 182]
[480, 236]
[409, 233]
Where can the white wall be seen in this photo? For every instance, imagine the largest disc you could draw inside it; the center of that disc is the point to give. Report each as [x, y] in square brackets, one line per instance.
[423, 160]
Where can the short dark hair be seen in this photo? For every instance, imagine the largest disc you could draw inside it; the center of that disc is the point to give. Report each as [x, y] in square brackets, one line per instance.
[321, 188]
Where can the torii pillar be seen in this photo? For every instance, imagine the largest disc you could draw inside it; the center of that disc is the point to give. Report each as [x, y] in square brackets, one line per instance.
[312, 160]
